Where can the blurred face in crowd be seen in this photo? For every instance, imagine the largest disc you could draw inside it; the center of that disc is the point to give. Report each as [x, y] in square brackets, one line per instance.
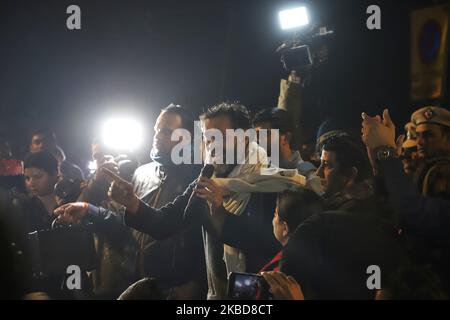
[39, 182]
[221, 123]
[432, 140]
[283, 140]
[267, 126]
[280, 229]
[410, 159]
[40, 142]
[166, 123]
[97, 153]
[5, 150]
[331, 177]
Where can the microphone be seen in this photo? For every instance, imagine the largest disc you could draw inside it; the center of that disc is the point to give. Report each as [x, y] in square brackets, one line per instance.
[194, 201]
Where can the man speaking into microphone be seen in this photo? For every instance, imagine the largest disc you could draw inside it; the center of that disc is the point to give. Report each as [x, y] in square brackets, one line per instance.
[185, 210]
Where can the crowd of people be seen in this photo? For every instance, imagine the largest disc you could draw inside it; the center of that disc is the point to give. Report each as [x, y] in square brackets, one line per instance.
[170, 231]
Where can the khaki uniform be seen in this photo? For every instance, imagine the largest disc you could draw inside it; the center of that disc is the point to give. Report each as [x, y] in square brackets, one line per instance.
[433, 176]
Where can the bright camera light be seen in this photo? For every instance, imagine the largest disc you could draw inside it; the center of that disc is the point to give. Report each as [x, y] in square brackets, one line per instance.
[293, 18]
[122, 134]
[92, 166]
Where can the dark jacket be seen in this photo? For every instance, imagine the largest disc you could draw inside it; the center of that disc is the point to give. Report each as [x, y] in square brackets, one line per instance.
[168, 220]
[421, 214]
[433, 177]
[424, 220]
[169, 260]
[116, 249]
[350, 198]
[330, 252]
[252, 231]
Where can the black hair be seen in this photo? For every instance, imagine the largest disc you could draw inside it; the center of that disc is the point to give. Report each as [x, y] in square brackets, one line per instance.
[294, 207]
[43, 160]
[43, 131]
[144, 289]
[187, 119]
[278, 119]
[238, 114]
[349, 155]
[329, 129]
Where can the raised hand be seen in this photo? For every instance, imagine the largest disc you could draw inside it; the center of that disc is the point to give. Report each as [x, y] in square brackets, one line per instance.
[122, 191]
[283, 287]
[377, 132]
[71, 213]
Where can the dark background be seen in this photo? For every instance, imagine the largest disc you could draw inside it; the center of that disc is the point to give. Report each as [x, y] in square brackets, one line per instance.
[134, 56]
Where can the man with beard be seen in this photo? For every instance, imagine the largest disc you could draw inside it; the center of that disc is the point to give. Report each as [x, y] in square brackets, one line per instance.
[172, 220]
[169, 220]
[157, 183]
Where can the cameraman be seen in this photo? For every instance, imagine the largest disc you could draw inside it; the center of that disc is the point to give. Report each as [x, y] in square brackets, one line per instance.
[157, 183]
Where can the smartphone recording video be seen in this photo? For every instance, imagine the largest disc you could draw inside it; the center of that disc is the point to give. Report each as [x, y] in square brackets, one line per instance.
[248, 286]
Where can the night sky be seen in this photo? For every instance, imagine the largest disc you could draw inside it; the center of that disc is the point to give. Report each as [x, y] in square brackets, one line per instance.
[138, 56]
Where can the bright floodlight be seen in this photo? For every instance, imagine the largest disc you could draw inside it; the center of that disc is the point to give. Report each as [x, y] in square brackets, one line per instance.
[92, 166]
[122, 134]
[293, 18]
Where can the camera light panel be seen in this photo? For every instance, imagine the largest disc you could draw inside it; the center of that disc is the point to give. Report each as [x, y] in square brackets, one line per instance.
[293, 18]
[122, 134]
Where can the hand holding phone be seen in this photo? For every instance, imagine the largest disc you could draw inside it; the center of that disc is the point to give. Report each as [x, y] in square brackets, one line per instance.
[248, 286]
[122, 191]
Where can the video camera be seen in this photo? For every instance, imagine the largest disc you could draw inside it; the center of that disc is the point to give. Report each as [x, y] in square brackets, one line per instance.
[306, 50]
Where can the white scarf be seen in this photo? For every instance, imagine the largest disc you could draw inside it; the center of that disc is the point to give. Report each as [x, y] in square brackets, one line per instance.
[245, 179]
